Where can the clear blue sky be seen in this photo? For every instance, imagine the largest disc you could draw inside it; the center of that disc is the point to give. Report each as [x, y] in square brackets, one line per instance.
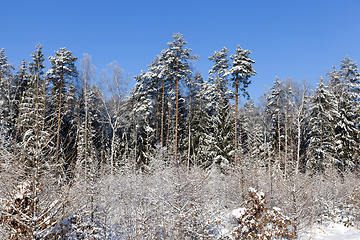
[301, 39]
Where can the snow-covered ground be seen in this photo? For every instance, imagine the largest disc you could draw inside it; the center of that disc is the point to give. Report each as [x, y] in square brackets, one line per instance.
[334, 232]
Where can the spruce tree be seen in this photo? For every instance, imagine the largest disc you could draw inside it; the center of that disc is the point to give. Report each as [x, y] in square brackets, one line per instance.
[204, 134]
[7, 99]
[154, 81]
[275, 115]
[345, 86]
[20, 86]
[323, 114]
[142, 130]
[220, 109]
[253, 133]
[36, 199]
[33, 130]
[193, 113]
[21, 81]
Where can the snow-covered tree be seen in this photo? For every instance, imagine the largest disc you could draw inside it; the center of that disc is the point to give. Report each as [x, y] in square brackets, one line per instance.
[21, 80]
[86, 151]
[204, 136]
[220, 109]
[323, 114]
[296, 192]
[299, 127]
[142, 132]
[61, 74]
[7, 100]
[179, 69]
[157, 83]
[34, 133]
[34, 192]
[111, 105]
[345, 86]
[194, 114]
[241, 70]
[149, 96]
[274, 112]
[253, 133]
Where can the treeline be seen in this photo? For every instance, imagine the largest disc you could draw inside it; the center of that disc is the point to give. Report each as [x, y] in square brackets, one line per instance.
[175, 111]
[62, 132]
[294, 129]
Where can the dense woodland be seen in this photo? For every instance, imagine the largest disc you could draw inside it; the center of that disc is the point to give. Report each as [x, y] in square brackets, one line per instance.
[177, 157]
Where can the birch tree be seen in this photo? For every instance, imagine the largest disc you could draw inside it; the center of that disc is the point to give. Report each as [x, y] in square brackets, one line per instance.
[111, 105]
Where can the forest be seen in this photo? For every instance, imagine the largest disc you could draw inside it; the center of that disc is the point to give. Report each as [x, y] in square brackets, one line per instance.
[178, 156]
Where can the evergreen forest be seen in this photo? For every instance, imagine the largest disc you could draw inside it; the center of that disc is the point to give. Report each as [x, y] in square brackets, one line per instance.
[177, 156]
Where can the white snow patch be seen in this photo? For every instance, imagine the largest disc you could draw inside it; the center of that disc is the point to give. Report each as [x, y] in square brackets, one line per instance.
[238, 213]
[333, 232]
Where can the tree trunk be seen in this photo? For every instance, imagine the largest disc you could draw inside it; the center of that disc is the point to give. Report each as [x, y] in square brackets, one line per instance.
[147, 140]
[168, 128]
[59, 118]
[279, 137]
[157, 119]
[176, 114]
[236, 118]
[162, 114]
[286, 143]
[189, 139]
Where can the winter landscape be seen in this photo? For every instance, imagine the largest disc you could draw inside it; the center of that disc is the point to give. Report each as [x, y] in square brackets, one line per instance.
[176, 158]
[179, 150]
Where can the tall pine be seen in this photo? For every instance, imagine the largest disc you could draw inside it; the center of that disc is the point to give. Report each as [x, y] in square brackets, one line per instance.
[61, 75]
[241, 70]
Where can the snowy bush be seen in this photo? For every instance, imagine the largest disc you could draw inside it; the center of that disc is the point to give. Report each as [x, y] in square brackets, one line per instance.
[256, 221]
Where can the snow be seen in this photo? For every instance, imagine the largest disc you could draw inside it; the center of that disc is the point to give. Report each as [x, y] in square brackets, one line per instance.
[238, 213]
[277, 209]
[333, 232]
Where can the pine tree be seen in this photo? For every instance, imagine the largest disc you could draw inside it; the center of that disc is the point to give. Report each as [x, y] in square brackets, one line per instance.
[179, 69]
[223, 136]
[241, 70]
[61, 75]
[5, 67]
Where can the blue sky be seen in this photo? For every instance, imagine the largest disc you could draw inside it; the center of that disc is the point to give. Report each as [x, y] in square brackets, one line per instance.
[301, 39]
